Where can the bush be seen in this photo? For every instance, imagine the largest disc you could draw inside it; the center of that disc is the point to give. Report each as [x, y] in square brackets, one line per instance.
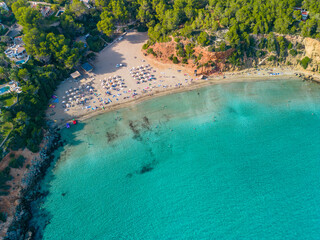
[290, 45]
[17, 162]
[175, 60]
[95, 43]
[107, 38]
[299, 46]
[3, 31]
[184, 60]
[211, 49]
[142, 28]
[177, 39]
[165, 39]
[171, 57]
[223, 47]
[145, 46]
[181, 52]
[262, 43]
[260, 53]
[189, 50]
[271, 58]
[150, 51]
[5, 176]
[293, 52]
[179, 46]
[305, 62]
[91, 56]
[3, 216]
[203, 39]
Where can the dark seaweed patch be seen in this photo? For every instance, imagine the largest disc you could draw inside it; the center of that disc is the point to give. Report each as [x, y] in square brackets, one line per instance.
[146, 123]
[135, 131]
[146, 169]
[133, 128]
[111, 136]
[166, 118]
[137, 137]
[146, 120]
[231, 110]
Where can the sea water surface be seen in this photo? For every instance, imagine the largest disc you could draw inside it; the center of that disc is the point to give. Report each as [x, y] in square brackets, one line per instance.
[229, 161]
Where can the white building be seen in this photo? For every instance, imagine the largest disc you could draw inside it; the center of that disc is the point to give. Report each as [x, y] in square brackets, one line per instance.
[86, 2]
[4, 6]
[17, 51]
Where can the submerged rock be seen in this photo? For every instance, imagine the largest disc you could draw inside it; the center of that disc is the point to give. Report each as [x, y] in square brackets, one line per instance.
[146, 169]
[20, 227]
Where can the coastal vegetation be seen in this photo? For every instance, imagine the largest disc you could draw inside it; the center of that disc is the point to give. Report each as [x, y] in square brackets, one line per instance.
[252, 29]
[304, 62]
[206, 34]
[16, 162]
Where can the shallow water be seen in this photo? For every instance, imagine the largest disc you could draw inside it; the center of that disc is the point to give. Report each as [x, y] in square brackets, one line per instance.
[230, 161]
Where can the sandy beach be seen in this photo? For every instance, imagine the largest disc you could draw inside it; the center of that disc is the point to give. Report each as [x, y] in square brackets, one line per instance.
[122, 76]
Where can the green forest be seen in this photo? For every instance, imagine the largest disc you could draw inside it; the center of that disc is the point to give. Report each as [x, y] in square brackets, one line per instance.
[54, 51]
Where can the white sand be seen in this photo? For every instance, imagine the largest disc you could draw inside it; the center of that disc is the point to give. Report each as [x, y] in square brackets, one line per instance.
[128, 52]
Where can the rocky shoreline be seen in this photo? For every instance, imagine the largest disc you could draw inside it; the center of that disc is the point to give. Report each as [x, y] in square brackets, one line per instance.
[20, 227]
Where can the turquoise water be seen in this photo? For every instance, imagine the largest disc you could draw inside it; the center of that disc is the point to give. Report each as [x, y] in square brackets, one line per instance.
[231, 161]
[20, 61]
[4, 89]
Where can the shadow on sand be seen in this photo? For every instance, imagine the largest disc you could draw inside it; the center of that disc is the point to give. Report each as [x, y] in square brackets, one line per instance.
[109, 57]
